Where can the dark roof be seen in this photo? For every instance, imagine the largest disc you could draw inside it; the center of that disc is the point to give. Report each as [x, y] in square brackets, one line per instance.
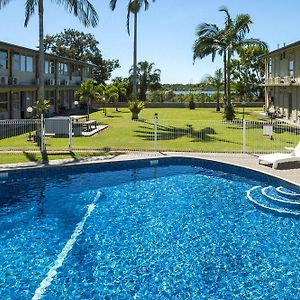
[293, 45]
[9, 45]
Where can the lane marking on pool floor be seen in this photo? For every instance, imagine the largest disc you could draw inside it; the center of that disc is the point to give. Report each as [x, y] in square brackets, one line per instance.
[67, 248]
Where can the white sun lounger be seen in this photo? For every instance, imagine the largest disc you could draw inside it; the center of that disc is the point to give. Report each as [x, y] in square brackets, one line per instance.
[277, 158]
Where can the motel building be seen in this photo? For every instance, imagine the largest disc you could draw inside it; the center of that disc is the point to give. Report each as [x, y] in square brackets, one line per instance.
[19, 77]
[282, 81]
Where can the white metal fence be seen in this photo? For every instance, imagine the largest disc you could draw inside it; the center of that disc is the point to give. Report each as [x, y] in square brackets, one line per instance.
[148, 135]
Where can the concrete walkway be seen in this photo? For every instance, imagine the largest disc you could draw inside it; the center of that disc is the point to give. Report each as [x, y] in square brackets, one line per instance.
[288, 171]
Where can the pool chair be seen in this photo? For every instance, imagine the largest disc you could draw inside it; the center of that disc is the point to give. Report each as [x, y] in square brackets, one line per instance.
[277, 158]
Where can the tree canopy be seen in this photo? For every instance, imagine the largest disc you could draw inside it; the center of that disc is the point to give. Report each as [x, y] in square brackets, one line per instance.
[84, 47]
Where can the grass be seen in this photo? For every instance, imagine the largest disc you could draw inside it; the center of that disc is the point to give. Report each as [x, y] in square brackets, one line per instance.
[179, 129]
[28, 156]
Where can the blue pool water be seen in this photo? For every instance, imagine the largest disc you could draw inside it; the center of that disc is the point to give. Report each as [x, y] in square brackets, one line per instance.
[180, 230]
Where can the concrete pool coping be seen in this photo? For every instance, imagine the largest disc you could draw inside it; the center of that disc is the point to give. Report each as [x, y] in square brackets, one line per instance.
[289, 172]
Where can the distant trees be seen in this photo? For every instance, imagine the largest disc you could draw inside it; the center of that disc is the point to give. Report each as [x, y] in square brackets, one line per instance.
[81, 46]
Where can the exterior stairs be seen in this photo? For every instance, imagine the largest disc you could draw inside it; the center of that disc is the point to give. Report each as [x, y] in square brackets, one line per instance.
[278, 201]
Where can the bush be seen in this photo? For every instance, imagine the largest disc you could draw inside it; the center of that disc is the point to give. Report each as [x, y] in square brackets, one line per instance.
[192, 104]
[229, 112]
[135, 107]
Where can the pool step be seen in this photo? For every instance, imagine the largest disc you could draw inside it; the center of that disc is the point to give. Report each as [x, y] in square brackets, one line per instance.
[271, 194]
[257, 196]
[288, 193]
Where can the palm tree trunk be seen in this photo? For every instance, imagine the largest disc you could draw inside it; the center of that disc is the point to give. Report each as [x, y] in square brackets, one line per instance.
[225, 75]
[218, 99]
[228, 78]
[41, 61]
[134, 79]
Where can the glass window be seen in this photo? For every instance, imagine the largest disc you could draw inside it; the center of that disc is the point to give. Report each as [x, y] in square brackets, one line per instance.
[86, 72]
[23, 63]
[49, 67]
[291, 68]
[50, 95]
[17, 62]
[29, 64]
[270, 68]
[76, 70]
[3, 59]
[3, 102]
[63, 69]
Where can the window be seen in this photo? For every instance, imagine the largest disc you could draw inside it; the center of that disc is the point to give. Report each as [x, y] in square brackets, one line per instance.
[49, 67]
[22, 63]
[3, 59]
[17, 62]
[76, 70]
[63, 69]
[270, 67]
[50, 95]
[291, 68]
[3, 102]
[86, 72]
[29, 64]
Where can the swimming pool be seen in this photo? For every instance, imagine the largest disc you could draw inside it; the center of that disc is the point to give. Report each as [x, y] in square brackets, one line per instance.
[173, 228]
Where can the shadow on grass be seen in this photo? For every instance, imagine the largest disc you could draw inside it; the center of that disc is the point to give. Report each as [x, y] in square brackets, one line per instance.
[30, 156]
[167, 133]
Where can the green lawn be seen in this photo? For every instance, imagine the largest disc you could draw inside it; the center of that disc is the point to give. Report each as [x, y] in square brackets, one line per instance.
[28, 156]
[179, 129]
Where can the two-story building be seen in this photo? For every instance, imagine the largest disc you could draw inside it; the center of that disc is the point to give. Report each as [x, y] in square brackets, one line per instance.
[282, 81]
[19, 77]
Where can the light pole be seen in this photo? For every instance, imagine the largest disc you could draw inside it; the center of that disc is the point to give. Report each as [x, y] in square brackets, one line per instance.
[104, 107]
[29, 109]
[243, 104]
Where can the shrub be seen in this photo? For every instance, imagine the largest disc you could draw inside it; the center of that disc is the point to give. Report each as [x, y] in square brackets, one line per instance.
[229, 112]
[192, 104]
[135, 107]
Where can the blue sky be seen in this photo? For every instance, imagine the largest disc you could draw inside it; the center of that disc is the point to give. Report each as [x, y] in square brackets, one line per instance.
[166, 30]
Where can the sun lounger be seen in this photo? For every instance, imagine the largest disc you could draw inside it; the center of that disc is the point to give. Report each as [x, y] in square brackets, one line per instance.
[277, 158]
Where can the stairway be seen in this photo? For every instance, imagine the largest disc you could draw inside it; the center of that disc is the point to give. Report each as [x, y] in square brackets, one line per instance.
[278, 201]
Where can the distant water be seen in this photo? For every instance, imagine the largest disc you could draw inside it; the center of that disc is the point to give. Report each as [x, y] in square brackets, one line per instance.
[207, 93]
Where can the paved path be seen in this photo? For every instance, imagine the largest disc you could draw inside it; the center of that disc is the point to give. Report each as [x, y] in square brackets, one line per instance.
[290, 171]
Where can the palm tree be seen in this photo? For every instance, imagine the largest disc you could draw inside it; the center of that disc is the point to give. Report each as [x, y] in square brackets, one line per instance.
[134, 7]
[210, 41]
[226, 41]
[121, 89]
[216, 82]
[82, 9]
[88, 92]
[148, 78]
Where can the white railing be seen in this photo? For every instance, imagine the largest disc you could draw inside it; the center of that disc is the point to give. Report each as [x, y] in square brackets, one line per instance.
[149, 135]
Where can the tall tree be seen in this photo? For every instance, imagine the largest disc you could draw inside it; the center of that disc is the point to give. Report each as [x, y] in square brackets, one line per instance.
[81, 46]
[134, 7]
[248, 72]
[226, 41]
[82, 9]
[210, 41]
[234, 34]
[148, 78]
